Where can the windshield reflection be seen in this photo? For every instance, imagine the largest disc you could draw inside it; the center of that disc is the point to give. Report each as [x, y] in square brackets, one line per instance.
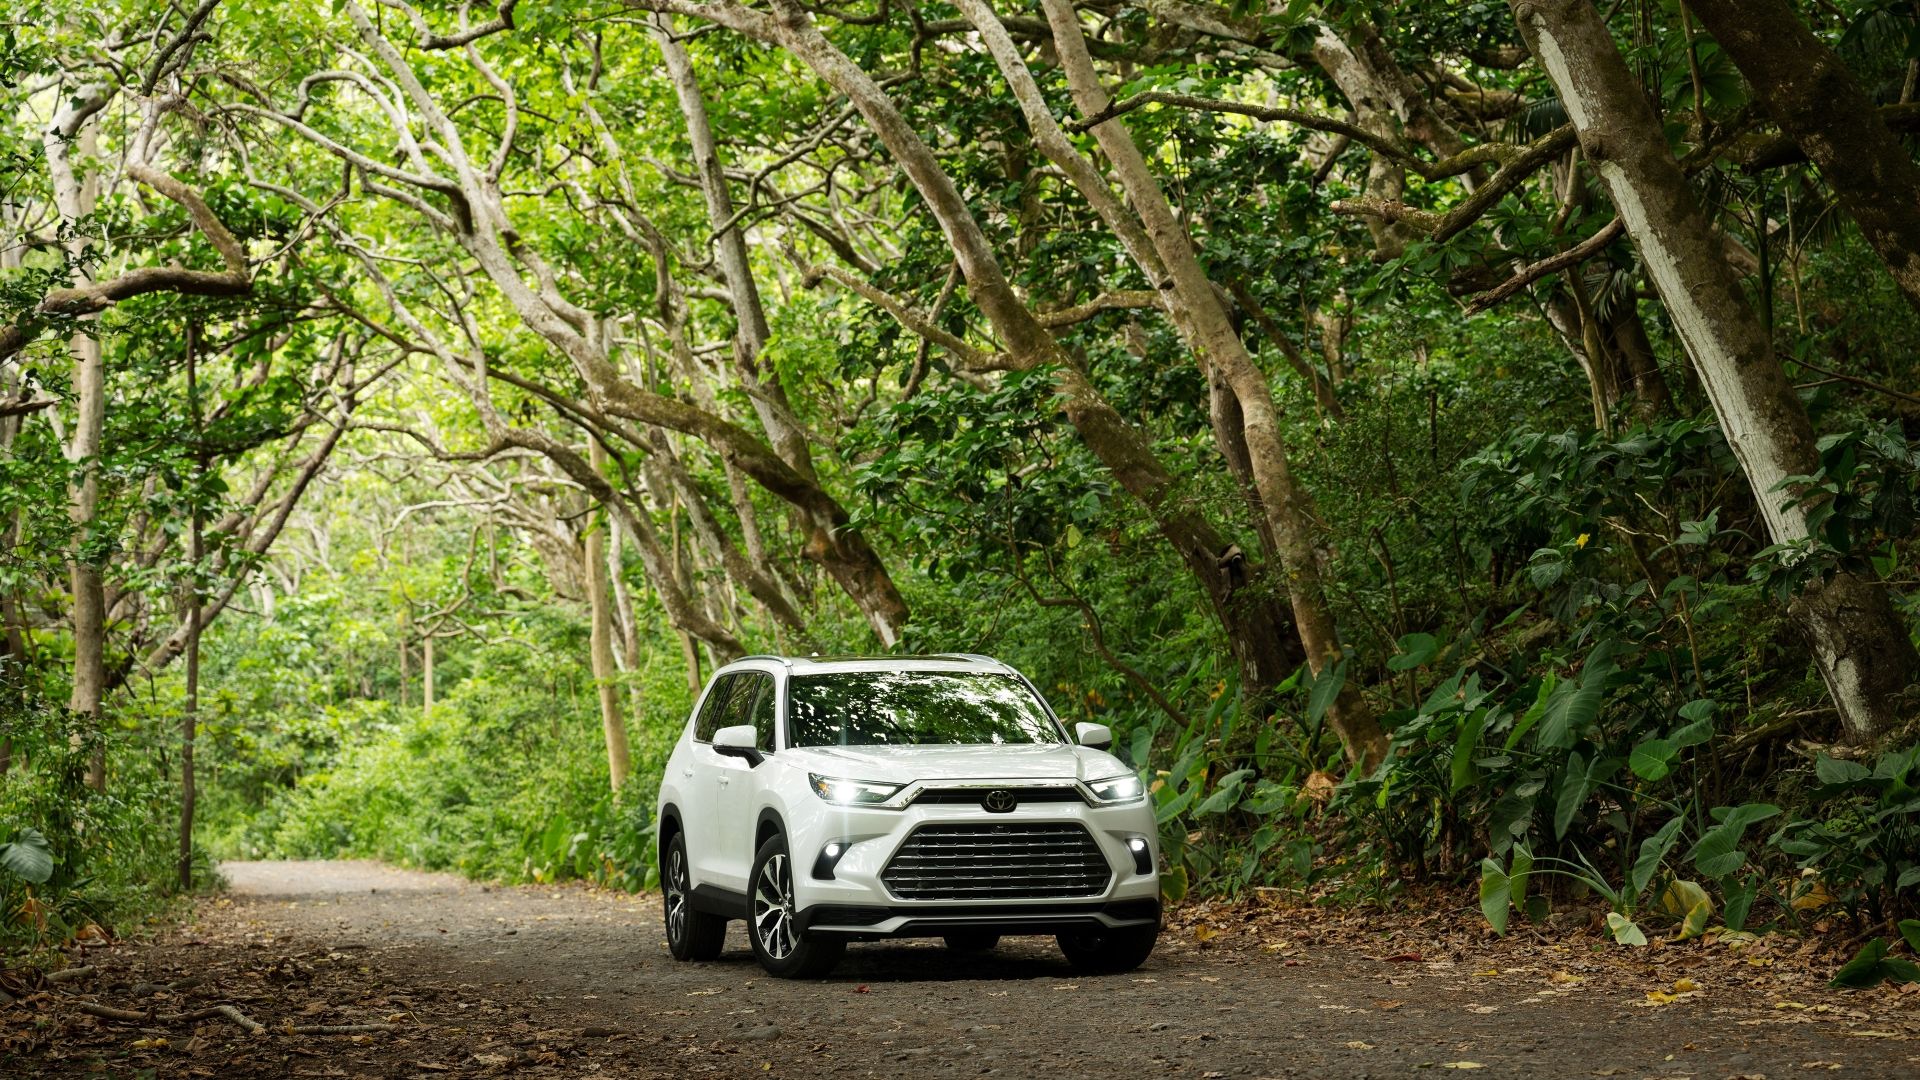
[904, 708]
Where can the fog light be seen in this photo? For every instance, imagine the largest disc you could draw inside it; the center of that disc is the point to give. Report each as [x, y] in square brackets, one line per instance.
[829, 858]
[1142, 855]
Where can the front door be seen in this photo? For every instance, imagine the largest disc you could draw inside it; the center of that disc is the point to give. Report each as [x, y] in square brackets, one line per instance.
[700, 815]
[735, 796]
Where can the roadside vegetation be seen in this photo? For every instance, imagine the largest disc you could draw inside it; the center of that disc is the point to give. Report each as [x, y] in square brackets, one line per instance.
[403, 410]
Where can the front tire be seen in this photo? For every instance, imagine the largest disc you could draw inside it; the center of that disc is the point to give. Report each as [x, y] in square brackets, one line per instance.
[1109, 952]
[691, 935]
[772, 927]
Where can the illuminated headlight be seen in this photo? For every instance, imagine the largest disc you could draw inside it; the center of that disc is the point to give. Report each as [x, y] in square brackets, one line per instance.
[1119, 789]
[851, 792]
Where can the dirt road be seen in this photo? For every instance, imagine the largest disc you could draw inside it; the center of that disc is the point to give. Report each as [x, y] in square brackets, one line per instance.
[567, 981]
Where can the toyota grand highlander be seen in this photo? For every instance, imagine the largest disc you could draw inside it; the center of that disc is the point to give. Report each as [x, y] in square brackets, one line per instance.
[825, 801]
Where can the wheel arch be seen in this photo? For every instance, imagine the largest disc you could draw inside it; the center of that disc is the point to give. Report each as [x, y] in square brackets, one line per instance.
[670, 827]
[768, 825]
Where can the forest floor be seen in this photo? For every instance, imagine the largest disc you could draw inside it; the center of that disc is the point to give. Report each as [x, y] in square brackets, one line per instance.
[485, 981]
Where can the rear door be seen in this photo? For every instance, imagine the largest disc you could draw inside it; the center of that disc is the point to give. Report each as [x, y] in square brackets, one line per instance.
[751, 702]
[697, 784]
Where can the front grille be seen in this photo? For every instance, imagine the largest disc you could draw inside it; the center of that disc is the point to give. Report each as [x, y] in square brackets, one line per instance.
[996, 862]
[1022, 795]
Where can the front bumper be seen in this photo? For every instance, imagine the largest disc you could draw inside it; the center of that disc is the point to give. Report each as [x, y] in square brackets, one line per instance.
[934, 920]
[855, 901]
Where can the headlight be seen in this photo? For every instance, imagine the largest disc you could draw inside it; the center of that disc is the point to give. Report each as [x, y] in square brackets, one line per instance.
[1119, 789]
[851, 792]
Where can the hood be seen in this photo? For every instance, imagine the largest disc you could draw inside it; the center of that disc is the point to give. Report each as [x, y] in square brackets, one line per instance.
[905, 764]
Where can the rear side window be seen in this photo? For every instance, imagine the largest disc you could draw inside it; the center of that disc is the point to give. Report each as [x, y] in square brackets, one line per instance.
[712, 708]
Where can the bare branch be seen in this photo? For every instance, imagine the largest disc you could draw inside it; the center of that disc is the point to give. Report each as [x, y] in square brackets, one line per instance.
[1532, 272]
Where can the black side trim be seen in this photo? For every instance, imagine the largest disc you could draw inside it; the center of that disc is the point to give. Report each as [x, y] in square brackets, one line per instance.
[748, 754]
[935, 920]
[714, 900]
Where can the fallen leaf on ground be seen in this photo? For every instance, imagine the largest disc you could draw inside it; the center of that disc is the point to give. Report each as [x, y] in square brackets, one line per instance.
[1461, 1065]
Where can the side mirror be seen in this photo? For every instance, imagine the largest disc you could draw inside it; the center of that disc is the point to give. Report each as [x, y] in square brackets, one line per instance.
[738, 741]
[1098, 736]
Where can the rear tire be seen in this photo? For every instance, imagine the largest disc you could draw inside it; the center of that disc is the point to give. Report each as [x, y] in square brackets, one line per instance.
[772, 925]
[691, 935]
[1109, 952]
[972, 941]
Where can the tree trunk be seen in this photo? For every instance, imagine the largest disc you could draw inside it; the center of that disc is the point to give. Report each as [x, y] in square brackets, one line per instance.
[405, 624]
[75, 199]
[850, 561]
[484, 230]
[426, 677]
[1817, 101]
[629, 620]
[606, 674]
[1265, 646]
[190, 714]
[1857, 640]
[1209, 333]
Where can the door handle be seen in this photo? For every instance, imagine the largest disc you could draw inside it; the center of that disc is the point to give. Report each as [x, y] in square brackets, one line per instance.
[725, 780]
[688, 771]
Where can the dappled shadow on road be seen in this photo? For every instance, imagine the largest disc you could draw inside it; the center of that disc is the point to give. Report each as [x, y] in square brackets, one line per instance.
[470, 980]
[1018, 959]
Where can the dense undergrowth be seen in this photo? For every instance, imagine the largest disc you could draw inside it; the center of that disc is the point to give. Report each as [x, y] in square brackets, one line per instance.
[1572, 627]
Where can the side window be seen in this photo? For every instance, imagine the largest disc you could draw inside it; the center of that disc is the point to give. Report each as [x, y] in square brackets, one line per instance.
[710, 710]
[763, 704]
[746, 689]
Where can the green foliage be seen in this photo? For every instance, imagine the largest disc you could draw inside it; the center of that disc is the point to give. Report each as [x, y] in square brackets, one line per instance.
[1871, 966]
[1863, 835]
[1572, 627]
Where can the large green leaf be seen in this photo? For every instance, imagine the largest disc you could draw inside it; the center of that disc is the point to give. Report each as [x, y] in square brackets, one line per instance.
[1835, 771]
[1867, 968]
[1326, 688]
[1224, 795]
[1571, 793]
[1575, 705]
[1718, 853]
[1577, 784]
[1700, 713]
[1652, 760]
[1548, 686]
[1465, 746]
[1652, 850]
[1910, 929]
[1496, 895]
[1624, 930]
[1415, 650]
[28, 857]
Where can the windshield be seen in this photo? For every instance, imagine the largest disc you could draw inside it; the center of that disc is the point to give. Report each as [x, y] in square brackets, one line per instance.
[900, 708]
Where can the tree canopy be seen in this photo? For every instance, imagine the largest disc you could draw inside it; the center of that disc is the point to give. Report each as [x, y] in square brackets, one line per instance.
[1436, 436]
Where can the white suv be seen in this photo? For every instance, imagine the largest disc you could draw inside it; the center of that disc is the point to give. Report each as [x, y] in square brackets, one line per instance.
[834, 800]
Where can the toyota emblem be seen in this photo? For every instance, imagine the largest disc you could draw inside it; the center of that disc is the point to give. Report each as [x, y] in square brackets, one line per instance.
[999, 802]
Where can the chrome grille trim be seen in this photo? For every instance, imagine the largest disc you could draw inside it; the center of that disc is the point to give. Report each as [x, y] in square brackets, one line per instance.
[972, 794]
[997, 861]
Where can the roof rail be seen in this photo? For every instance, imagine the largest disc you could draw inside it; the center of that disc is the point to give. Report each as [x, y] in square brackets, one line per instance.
[767, 656]
[978, 658]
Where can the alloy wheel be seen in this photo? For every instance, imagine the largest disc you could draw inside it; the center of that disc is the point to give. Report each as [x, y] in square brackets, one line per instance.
[676, 894]
[773, 908]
